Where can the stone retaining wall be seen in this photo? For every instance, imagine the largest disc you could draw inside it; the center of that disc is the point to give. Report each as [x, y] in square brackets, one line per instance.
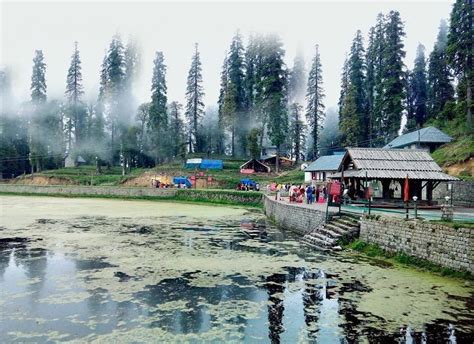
[88, 190]
[439, 244]
[463, 193]
[293, 217]
[212, 196]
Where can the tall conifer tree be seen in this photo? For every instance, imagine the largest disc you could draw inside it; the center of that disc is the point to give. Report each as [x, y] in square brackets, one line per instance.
[194, 103]
[314, 98]
[394, 90]
[440, 88]
[76, 112]
[158, 117]
[460, 52]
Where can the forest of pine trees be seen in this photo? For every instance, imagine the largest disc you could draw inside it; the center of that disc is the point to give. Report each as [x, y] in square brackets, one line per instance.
[380, 97]
[262, 101]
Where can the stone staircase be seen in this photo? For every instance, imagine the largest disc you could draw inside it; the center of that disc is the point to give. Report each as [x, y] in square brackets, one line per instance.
[329, 236]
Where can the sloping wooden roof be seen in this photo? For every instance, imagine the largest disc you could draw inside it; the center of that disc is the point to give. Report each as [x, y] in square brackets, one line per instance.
[256, 165]
[392, 164]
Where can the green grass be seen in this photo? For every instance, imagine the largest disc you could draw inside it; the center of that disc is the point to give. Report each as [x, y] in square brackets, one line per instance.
[455, 224]
[457, 151]
[86, 175]
[228, 178]
[375, 251]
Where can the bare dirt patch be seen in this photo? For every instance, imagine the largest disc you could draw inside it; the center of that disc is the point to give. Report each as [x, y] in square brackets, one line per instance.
[464, 167]
[42, 180]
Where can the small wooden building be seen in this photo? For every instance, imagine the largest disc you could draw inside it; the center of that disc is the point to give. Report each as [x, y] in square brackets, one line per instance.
[388, 168]
[323, 167]
[254, 166]
[271, 160]
[428, 138]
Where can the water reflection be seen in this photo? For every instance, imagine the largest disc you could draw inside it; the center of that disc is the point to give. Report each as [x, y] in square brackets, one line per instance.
[42, 299]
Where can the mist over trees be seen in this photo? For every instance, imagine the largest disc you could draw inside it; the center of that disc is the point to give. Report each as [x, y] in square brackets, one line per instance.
[262, 103]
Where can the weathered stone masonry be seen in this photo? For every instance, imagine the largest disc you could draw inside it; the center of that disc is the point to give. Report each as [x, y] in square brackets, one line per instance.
[288, 216]
[463, 193]
[436, 243]
[88, 190]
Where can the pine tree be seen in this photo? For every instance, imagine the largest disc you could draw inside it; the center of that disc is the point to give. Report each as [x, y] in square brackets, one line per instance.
[297, 131]
[220, 108]
[38, 98]
[440, 88]
[314, 98]
[103, 83]
[370, 58]
[394, 92]
[157, 121]
[460, 54]
[115, 74]
[76, 112]
[296, 80]
[344, 87]
[236, 76]
[176, 129]
[254, 57]
[356, 82]
[38, 79]
[349, 118]
[375, 98]
[131, 66]
[194, 103]
[229, 110]
[418, 91]
[273, 83]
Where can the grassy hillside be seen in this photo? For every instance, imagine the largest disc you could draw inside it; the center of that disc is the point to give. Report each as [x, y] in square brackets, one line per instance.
[228, 178]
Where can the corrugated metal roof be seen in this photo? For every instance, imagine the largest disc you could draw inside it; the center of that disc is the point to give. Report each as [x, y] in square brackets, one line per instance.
[394, 164]
[389, 174]
[424, 135]
[325, 163]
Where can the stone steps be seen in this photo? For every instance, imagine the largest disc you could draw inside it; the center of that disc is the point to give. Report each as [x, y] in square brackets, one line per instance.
[328, 236]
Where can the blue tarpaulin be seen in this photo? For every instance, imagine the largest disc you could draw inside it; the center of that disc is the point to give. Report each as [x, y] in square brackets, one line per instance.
[182, 180]
[247, 181]
[207, 164]
[193, 163]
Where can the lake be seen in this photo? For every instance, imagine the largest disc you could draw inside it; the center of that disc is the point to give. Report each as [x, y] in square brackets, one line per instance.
[101, 270]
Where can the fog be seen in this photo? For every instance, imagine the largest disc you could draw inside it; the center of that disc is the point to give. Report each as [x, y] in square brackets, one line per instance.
[174, 28]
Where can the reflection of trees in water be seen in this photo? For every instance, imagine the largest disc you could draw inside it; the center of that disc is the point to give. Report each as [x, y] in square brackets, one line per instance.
[360, 325]
[34, 262]
[191, 320]
[4, 262]
[312, 298]
[275, 285]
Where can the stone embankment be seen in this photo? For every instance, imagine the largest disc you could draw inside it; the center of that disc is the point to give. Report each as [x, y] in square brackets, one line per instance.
[212, 196]
[440, 244]
[297, 218]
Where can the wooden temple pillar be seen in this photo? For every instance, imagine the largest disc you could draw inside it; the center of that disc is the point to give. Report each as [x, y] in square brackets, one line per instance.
[385, 188]
[429, 192]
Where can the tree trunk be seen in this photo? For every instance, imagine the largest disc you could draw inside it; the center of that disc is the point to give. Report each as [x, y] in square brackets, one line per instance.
[277, 160]
[233, 140]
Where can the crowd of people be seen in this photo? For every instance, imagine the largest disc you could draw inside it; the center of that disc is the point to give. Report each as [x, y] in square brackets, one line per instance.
[308, 194]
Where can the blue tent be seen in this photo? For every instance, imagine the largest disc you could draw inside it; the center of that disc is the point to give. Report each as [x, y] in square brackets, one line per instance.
[249, 182]
[182, 180]
[207, 164]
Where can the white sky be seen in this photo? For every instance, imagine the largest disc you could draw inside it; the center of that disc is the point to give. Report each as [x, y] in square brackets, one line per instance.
[173, 27]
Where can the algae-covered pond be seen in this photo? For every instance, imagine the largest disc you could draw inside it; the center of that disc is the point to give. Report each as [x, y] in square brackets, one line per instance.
[136, 271]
